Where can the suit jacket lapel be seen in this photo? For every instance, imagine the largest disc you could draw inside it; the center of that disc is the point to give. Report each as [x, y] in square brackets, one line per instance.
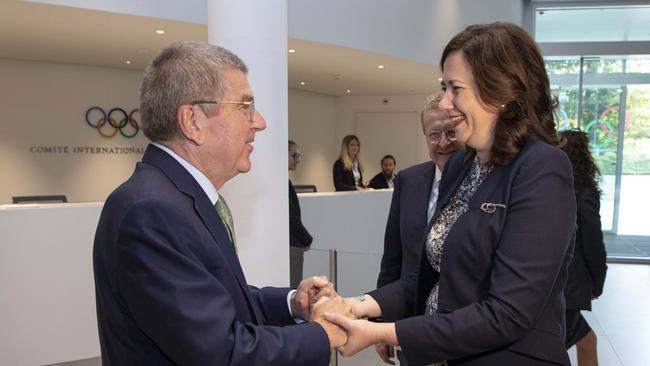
[452, 179]
[204, 208]
[428, 177]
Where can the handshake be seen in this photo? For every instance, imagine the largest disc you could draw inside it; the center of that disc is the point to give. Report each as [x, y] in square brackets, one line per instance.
[315, 300]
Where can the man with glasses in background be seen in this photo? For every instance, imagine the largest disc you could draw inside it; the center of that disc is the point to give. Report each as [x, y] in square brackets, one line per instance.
[169, 286]
[299, 238]
[414, 202]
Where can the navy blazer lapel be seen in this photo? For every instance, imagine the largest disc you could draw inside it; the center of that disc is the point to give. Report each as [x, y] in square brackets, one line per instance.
[206, 211]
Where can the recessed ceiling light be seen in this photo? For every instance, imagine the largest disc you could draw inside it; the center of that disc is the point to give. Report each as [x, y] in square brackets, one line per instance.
[291, 50]
[439, 79]
[380, 66]
[348, 91]
[302, 83]
[160, 31]
[128, 62]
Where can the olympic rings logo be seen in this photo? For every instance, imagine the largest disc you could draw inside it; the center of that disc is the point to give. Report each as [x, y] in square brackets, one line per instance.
[603, 133]
[98, 119]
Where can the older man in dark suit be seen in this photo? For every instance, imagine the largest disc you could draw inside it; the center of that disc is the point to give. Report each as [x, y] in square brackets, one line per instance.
[169, 286]
[413, 204]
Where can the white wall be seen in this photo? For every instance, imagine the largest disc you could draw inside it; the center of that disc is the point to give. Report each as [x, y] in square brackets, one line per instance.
[318, 122]
[311, 120]
[414, 29]
[349, 110]
[44, 104]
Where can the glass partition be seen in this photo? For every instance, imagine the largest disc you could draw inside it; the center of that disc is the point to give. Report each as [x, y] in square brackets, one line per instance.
[609, 98]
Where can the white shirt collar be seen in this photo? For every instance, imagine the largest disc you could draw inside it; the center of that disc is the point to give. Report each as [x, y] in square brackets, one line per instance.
[200, 178]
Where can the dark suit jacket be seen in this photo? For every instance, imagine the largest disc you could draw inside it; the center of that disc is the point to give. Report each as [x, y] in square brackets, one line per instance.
[344, 179]
[502, 272]
[298, 234]
[407, 222]
[588, 268]
[169, 287]
[378, 182]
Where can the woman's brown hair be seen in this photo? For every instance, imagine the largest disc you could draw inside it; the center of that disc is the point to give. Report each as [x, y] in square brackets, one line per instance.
[575, 143]
[511, 78]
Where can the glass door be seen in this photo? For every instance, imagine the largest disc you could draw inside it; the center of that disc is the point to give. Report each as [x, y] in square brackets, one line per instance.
[609, 98]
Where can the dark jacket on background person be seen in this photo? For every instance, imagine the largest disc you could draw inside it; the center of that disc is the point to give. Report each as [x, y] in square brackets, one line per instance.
[298, 235]
[588, 267]
[379, 182]
[344, 179]
[407, 222]
[503, 268]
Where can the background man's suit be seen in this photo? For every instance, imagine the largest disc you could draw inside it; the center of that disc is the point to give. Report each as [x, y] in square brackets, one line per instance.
[407, 222]
[379, 182]
[170, 290]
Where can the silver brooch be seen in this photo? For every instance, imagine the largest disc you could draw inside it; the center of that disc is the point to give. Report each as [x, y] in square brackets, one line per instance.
[490, 207]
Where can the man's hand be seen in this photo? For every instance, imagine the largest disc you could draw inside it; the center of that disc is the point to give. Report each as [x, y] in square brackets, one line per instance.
[336, 334]
[385, 352]
[309, 292]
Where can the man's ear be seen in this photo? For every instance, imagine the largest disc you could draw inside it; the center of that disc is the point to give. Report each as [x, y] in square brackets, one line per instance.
[186, 117]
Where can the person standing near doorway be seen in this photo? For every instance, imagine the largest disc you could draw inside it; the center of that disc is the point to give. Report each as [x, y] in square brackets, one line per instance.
[299, 238]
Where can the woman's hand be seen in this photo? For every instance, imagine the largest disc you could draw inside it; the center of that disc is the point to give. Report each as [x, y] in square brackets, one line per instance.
[362, 333]
[364, 306]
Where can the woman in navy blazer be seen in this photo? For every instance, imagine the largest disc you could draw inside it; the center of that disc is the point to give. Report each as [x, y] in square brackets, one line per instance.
[489, 290]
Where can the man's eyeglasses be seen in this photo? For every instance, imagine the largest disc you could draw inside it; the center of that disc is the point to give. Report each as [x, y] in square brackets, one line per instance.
[296, 157]
[249, 106]
[435, 136]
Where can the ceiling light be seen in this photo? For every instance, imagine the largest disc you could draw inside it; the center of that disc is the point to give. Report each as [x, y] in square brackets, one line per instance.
[160, 31]
[380, 66]
[302, 83]
[128, 62]
[348, 91]
[439, 79]
[291, 50]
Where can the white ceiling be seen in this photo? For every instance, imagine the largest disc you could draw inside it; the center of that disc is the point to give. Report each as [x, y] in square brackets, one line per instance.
[50, 33]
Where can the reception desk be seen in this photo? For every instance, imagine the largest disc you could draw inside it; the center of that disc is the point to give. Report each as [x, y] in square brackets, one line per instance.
[47, 303]
[352, 223]
[47, 308]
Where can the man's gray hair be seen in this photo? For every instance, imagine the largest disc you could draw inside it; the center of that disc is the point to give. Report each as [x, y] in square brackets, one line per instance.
[431, 103]
[182, 73]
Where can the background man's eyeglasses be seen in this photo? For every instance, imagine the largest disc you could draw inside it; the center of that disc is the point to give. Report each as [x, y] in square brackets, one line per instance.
[296, 157]
[436, 136]
[249, 106]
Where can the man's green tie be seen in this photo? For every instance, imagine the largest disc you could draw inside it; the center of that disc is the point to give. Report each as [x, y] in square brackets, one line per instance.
[226, 217]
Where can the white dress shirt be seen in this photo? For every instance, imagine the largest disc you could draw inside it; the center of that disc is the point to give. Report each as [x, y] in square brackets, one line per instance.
[433, 198]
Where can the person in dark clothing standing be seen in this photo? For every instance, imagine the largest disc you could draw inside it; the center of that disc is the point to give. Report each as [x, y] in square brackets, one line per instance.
[299, 238]
[587, 269]
[385, 178]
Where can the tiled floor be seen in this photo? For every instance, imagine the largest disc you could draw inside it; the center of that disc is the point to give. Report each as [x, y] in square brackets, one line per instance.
[620, 318]
[627, 245]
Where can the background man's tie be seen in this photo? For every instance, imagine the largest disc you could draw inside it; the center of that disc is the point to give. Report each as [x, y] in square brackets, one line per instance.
[226, 217]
